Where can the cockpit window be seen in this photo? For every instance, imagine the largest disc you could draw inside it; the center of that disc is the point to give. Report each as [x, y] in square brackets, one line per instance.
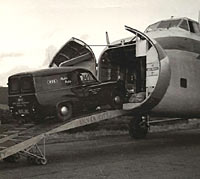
[152, 27]
[169, 23]
[184, 25]
[194, 27]
[163, 25]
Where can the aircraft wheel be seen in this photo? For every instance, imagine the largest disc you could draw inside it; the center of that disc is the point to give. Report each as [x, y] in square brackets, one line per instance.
[64, 112]
[138, 127]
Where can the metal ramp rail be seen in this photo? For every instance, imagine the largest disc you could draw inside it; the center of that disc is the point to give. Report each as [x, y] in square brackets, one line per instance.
[26, 142]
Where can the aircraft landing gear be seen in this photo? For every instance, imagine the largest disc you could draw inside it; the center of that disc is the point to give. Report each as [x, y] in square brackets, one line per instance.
[138, 127]
[37, 161]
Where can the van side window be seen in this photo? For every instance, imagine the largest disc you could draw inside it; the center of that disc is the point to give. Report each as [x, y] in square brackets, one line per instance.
[86, 77]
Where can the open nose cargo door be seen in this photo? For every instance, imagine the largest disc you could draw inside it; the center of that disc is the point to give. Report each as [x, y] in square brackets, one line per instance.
[75, 53]
[142, 64]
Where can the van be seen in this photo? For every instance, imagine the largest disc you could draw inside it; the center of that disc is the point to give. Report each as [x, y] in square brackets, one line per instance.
[61, 92]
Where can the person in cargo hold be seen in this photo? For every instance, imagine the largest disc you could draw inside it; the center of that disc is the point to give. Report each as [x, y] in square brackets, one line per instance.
[63, 92]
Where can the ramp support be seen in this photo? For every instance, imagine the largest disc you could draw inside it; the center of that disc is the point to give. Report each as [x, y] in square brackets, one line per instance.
[36, 154]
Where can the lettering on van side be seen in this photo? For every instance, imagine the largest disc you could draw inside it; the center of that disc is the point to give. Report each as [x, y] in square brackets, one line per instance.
[53, 81]
[66, 80]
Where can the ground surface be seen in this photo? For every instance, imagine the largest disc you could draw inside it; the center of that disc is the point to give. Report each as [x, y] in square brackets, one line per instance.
[172, 154]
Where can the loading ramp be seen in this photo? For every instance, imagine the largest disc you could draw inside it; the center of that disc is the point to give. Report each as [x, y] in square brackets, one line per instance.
[29, 140]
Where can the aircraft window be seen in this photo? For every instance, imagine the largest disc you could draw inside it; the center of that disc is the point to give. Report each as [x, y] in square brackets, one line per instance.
[152, 27]
[184, 25]
[194, 27]
[183, 82]
[191, 26]
[168, 24]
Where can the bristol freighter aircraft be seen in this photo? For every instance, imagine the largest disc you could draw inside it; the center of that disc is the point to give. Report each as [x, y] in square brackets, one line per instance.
[160, 69]
[155, 73]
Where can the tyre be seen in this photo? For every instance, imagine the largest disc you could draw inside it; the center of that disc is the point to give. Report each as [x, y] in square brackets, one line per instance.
[138, 128]
[64, 112]
[116, 100]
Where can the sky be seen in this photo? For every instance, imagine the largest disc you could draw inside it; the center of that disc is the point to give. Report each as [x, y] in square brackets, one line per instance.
[32, 31]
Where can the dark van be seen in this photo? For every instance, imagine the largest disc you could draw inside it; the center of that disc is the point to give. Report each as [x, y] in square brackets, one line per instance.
[62, 92]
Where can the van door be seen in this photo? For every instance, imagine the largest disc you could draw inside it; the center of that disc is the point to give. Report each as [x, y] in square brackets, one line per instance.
[75, 53]
[90, 88]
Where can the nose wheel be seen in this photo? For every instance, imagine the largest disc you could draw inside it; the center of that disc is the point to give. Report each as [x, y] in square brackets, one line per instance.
[138, 127]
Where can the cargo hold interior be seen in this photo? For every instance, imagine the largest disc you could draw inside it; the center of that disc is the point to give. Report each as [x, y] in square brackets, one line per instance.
[135, 64]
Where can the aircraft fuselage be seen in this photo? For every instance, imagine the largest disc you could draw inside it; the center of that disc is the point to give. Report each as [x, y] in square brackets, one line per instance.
[182, 49]
[168, 55]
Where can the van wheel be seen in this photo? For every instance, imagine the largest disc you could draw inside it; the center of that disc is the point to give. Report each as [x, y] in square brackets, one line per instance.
[64, 112]
[116, 101]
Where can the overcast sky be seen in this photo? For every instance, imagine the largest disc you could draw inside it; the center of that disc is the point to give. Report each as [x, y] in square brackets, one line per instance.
[29, 29]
